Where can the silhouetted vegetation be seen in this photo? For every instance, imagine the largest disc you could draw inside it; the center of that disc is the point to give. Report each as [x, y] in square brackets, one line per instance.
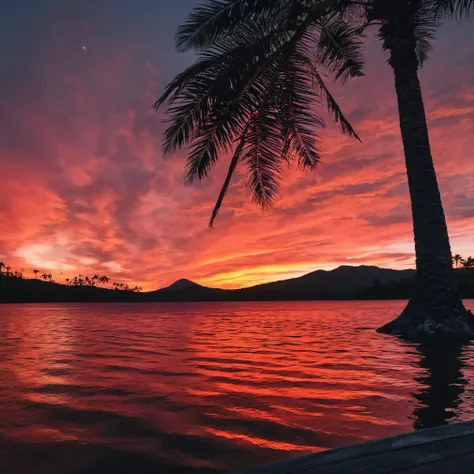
[14, 287]
[403, 289]
[343, 283]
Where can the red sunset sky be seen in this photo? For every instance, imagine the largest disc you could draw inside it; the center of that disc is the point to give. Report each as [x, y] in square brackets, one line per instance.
[85, 188]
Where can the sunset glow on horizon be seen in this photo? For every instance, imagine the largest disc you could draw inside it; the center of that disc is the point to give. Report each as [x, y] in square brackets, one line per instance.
[85, 187]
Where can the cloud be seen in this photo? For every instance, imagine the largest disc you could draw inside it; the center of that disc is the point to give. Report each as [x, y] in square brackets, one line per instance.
[86, 189]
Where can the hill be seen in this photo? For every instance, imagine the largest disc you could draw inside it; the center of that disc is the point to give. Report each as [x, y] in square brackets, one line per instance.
[340, 284]
[16, 290]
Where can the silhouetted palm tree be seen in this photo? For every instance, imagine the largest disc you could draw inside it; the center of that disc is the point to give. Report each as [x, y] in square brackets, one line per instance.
[254, 89]
[469, 263]
[104, 279]
[2, 266]
[457, 259]
[35, 271]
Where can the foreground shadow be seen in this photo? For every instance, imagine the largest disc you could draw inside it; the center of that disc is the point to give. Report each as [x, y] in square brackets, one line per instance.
[442, 385]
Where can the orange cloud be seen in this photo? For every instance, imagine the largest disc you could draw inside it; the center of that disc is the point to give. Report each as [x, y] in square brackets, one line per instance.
[86, 189]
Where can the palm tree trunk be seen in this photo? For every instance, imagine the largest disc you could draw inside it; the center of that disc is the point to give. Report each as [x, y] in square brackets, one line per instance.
[435, 309]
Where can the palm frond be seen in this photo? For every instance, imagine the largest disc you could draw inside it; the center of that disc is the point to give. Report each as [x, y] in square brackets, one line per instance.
[232, 167]
[263, 157]
[340, 48]
[213, 19]
[253, 85]
[456, 8]
[332, 105]
[423, 48]
[202, 66]
[296, 100]
[335, 109]
[425, 25]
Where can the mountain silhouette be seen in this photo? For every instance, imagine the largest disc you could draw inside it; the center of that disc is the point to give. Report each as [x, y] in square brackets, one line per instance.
[180, 285]
[343, 283]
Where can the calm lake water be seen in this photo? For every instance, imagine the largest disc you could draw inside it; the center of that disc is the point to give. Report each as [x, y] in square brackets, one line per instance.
[209, 387]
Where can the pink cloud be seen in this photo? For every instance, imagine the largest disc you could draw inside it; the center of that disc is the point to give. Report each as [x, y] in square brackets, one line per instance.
[87, 189]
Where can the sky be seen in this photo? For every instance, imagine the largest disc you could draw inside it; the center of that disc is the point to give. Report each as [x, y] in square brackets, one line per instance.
[85, 187]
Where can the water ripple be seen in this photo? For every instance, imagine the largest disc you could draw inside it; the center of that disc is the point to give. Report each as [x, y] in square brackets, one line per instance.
[209, 387]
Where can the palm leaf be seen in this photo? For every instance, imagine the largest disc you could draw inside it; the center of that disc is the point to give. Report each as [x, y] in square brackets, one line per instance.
[216, 18]
[253, 85]
[339, 48]
[230, 174]
[457, 8]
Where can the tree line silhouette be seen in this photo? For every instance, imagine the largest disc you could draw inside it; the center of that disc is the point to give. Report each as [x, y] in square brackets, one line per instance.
[403, 289]
[96, 281]
[460, 262]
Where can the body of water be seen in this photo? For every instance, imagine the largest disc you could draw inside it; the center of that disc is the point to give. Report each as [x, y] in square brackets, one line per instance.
[177, 388]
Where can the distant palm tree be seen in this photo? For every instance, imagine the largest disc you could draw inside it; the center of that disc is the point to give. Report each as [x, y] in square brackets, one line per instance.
[8, 271]
[254, 88]
[469, 263]
[2, 265]
[35, 271]
[457, 259]
[104, 279]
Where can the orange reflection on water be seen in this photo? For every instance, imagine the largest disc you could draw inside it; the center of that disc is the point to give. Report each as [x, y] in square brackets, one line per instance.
[220, 386]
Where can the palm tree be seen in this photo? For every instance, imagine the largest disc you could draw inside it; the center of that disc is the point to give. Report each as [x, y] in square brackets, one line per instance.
[104, 279]
[457, 259]
[35, 271]
[253, 90]
[2, 265]
[469, 263]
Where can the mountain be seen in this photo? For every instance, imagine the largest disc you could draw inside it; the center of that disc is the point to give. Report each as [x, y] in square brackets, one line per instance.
[181, 285]
[185, 290]
[343, 283]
